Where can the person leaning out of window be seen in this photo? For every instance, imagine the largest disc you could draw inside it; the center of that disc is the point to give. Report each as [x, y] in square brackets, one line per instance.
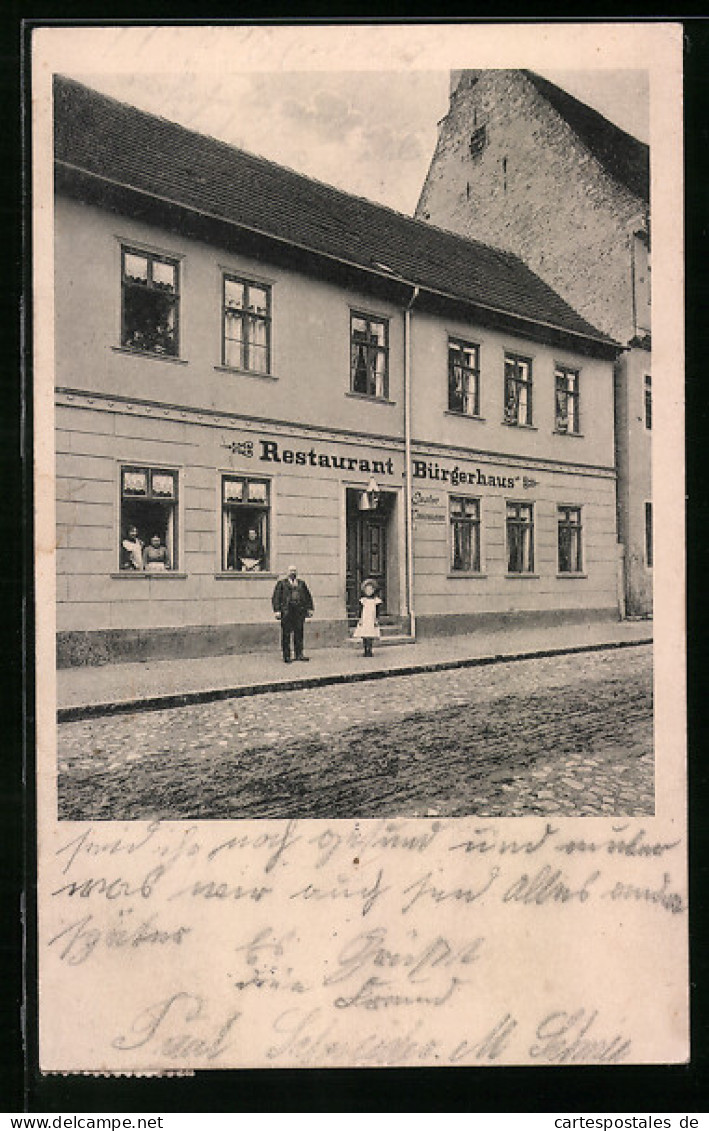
[132, 550]
[251, 555]
[155, 555]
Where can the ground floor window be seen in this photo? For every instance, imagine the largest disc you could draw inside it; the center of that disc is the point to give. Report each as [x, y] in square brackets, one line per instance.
[465, 534]
[520, 538]
[246, 521]
[148, 529]
[648, 534]
[570, 552]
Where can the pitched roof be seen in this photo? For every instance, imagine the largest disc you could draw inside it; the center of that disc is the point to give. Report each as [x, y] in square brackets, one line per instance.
[109, 139]
[623, 157]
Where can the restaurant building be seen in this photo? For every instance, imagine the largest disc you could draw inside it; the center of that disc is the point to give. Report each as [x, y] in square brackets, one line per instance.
[254, 368]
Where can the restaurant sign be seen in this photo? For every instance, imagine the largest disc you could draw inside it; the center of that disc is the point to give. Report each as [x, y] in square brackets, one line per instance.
[271, 451]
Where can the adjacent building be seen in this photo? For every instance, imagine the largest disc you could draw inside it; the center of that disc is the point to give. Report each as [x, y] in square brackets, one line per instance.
[254, 368]
[525, 166]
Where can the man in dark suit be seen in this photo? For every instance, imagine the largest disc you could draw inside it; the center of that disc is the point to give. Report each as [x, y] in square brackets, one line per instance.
[292, 604]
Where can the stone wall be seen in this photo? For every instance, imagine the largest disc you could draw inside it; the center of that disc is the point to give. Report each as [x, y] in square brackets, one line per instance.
[534, 189]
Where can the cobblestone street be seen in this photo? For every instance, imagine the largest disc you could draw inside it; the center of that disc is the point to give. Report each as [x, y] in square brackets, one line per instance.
[568, 735]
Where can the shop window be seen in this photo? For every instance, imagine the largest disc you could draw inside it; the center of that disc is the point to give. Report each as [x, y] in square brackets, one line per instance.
[648, 534]
[369, 356]
[518, 390]
[648, 402]
[463, 378]
[570, 551]
[520, 538]
[246, 325]
[246, 522]
[149, 500]
[567, 399]
[465, 534]
[150, 302]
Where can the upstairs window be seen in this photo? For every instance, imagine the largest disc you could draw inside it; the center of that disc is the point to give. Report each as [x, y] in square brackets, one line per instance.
[246, 524]
[246, 325]
[648, 402]
[567, 399]
[150, 302]
[148, 536]
[570, 552]
[369, 356]
[520, 538]
[463, 378]
[518, 389]
[465, 534]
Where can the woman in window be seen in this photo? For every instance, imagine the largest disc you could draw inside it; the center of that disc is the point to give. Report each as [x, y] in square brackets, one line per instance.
[251, 554]
[132, 550]
[155, 556]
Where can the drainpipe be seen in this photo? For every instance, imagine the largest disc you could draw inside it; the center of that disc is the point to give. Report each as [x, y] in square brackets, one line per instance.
[407, 464]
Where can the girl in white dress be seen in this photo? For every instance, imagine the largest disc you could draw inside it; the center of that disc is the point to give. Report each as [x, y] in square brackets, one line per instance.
[368, 629]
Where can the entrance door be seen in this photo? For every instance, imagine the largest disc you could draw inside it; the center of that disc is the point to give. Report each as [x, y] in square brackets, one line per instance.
[366, 556]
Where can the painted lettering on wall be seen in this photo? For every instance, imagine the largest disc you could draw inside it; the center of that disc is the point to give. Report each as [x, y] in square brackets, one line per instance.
[429, 469]
[272, 452]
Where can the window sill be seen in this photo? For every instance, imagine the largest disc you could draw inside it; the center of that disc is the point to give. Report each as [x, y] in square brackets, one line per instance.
[144, 574]
[514, 424]
[564, 432]
[571, 575]
[366, 397]
[227, 574]
[469, 574]
[149, 355]
[463, 415]
[245, 372]
[523, 576]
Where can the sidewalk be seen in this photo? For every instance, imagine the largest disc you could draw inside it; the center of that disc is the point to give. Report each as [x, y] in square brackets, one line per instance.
[84, 692]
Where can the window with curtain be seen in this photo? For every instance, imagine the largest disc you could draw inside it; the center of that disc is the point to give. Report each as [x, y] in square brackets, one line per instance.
[246, 325]
[520, 538]
[463, 378]
[518, 390]
[246, 522]
[150, 297]
[566, 383]
[149, 501]
[464, 534]
[569, 540]
[369, 356]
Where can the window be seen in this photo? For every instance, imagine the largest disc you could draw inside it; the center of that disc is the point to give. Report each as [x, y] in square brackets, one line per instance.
[567, 399]
[148, 518]
[465, 534]
[478, 141]
[150, 302]
[648, 402]
[245, 524]
[463, 378]
[570, 555]
[518, 390]
[648, 534]
[369, 356]
[247, 325]
[520, 538]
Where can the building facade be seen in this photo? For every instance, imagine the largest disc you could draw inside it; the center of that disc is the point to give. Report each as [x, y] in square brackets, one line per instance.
[253, 368]
[525, 166]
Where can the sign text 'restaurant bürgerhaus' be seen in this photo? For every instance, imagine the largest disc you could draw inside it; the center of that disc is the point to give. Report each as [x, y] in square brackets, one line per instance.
[270, 451]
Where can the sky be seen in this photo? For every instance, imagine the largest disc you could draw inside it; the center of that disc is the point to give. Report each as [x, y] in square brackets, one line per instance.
[368, 131]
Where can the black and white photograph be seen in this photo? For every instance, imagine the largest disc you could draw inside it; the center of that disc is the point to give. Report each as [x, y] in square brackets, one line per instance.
[359, 558]
[354, 370]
